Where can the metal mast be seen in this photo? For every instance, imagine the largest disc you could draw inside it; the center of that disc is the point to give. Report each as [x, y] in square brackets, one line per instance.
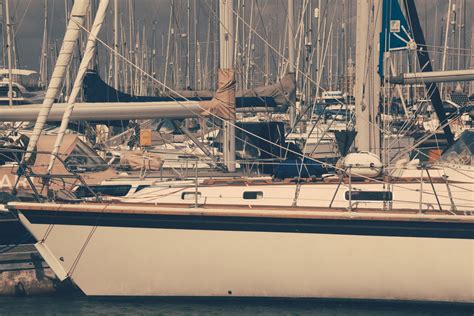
[116, 40]
[9, 52]
[367, 86]
[446, 41]
[188, 46]
[226, 59]
[291, 55]
[44, 48]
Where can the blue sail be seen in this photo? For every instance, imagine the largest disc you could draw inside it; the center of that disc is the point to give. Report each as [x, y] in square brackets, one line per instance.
[396, 33]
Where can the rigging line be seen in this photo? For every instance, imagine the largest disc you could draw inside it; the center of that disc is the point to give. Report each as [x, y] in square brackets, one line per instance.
[245, 131]
[81, 251]
[448, 166]
[318, 67]
[408, 124]
[241, 46]
[21, 20]
[433, 87]
[145, 196]
[244, 141]
[448, 121]
[299, 28]
[318, 82]
[452, 53]
[451, 48]
[235, 125]
[286, 60]
[454, 185]
[413, 121]
[86, 243]
[317, 90]
[265, 31]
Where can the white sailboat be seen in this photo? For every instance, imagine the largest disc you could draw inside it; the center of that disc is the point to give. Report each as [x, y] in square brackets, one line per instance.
[357, 236]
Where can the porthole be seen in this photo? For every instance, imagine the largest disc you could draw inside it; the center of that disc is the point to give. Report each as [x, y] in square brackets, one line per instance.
[253, 195]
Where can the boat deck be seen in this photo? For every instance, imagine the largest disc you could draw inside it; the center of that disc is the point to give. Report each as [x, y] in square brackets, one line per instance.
[244, 211]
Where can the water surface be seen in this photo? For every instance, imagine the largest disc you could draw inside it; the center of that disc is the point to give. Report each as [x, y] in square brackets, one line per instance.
[80, 305]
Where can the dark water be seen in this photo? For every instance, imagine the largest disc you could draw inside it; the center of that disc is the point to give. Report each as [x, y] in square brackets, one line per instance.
[76, 305]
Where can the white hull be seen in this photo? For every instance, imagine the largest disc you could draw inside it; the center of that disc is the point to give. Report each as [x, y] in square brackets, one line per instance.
[181, 262]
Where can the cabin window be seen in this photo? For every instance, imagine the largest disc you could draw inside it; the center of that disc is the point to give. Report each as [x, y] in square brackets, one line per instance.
[369, 196]
[4, 92]
[253, 195]
[142, 186]
[110, 190]
[190, 195]
[84, 159]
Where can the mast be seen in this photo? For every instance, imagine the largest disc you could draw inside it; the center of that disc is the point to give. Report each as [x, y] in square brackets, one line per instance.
[248, 57]
[226, 59]
[308, 43]
[44, 48]
[367, 86]
[116, 43]
[446, 41]
[9, 52]
[318, 70]
[67, 83]
[153, 53]
[188, 46]
[291, 55]
[131, 46]
[170, 28]
[197, 50]
[362, 113]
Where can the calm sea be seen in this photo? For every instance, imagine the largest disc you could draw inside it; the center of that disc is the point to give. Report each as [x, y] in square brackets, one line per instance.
[76, 305]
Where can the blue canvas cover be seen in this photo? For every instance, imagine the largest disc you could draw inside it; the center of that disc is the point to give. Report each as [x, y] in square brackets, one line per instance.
[396, 33]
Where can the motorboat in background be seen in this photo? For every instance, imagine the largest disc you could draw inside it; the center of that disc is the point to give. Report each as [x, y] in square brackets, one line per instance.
[26, 87]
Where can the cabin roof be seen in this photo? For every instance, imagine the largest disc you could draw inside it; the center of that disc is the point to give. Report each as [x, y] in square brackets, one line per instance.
[21, 72]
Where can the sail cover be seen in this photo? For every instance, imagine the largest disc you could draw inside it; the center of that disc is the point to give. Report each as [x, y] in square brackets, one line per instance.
[396, 33]
[275, 97]
[223, 103]
[278, 94]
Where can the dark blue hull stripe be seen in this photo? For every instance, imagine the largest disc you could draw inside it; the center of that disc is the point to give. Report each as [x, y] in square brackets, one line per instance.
[429, 229]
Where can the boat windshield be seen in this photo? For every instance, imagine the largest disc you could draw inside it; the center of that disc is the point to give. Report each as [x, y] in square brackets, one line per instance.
[461, 151]
[84, 159]
[27, 78]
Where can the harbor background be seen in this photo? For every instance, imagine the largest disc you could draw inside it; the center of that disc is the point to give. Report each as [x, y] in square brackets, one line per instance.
[82, 305]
